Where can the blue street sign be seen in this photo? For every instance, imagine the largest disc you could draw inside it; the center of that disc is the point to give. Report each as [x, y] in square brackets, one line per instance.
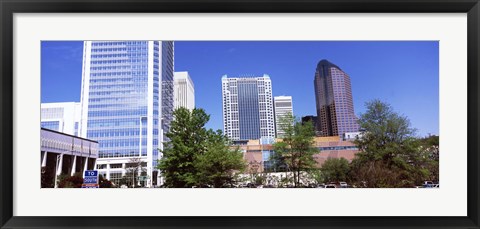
[91, 173]
[91, 177]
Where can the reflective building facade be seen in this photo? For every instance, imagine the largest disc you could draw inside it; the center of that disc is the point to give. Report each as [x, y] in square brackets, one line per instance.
[248, 108]
[333, 94]
[127, 102]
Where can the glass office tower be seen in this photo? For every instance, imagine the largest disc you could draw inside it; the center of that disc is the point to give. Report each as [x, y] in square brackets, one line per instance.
[127, 103]
[248, 108]
[333, 94]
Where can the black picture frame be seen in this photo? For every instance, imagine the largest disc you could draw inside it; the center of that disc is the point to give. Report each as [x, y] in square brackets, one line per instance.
[10, 7]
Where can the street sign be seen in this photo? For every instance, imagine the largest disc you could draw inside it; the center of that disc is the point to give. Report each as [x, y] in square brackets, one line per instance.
[91, 177]
[89, 173]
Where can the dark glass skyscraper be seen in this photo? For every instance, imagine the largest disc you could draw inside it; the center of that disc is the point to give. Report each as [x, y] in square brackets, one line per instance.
[333, 94]
[248, 108]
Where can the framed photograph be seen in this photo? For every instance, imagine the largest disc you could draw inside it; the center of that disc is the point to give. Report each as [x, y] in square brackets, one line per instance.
[239, 114]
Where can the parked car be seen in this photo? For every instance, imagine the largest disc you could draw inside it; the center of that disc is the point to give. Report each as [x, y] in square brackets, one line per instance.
[428, 184]
[343, 184]
[330, 186]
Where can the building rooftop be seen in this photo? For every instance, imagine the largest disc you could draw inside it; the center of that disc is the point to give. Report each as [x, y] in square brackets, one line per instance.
[326, 63]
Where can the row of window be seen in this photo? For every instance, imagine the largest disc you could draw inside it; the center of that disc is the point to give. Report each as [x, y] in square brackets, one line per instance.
[121, 49]
[118, 61]
[113, 43]
[115, 67]
[50, 113]
[117, 55]
[51, 125]
[123, 143]
[120, 73]
[113, 122]
[124, 93]
[95, 134]
[116, 113]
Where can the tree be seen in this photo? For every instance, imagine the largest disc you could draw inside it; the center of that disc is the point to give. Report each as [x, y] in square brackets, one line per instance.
[187, 138]
[133, 168]
[104, 183]
[317, 176]
[47, 177]
[254, 170]
[335, 169]
[196, 156]
[67, 181]
[219, 165]
[390, 154]
[430, 154]
[296, 148]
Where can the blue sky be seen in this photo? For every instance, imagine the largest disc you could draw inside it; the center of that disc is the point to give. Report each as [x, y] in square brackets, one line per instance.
[401, 73]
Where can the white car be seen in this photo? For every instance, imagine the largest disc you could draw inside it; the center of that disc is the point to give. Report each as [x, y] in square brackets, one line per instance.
[343, 184]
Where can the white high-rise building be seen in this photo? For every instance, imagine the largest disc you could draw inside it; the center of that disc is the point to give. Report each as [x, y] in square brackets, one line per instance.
[63, 117]
[283, 107]
[248, 108]
[127, 105]
[183, 91]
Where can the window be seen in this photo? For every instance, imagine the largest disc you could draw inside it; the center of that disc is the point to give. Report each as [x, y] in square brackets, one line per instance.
[115, 166]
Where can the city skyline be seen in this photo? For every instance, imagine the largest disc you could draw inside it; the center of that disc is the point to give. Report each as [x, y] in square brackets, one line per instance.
[406, 71]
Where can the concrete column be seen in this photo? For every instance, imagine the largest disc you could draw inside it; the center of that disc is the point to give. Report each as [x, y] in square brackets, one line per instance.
[94, 164]
[150, 177]
[108, 171]
[74, 165]
[58, 167]
[124, 171]
[85, 167]
[60, 164]
[44, 159]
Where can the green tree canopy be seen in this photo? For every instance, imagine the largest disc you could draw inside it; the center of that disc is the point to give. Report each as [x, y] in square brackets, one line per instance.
[220, 164]
[390, 154]
[296, 149]
[335, 169]
[195, 156]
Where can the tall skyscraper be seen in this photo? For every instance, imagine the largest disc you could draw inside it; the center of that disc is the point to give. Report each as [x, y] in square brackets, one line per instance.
[248, 108]
[127, 103]
[63, 117]
[333, 94]
[283, 107]
[184, 91]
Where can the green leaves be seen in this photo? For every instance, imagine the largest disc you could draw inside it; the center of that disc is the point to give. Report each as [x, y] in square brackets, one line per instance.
[196, 156]
[390, 154]
[296, 149]
[335, 169]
